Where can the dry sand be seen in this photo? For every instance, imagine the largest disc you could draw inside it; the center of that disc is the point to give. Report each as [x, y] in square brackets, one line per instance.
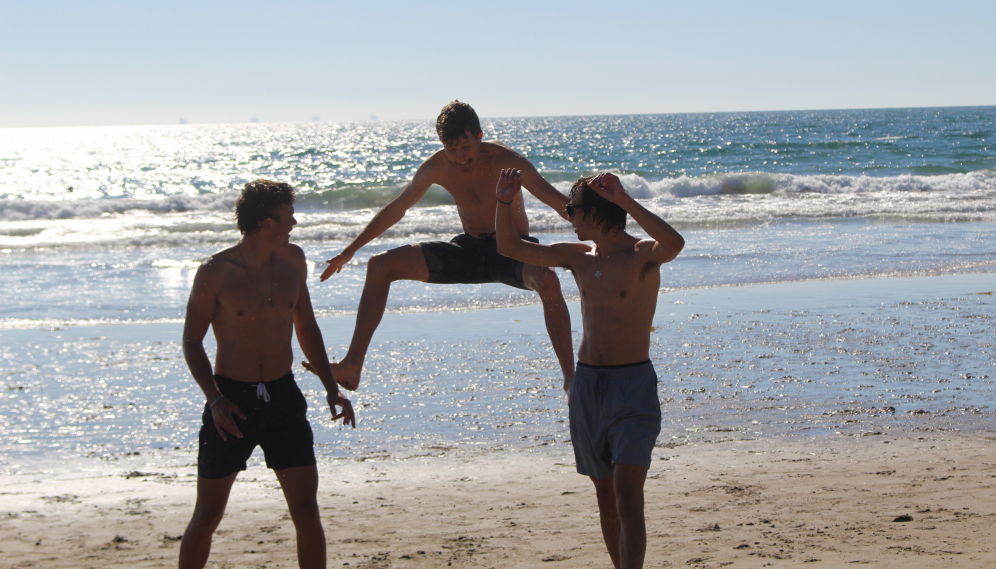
[773, 502]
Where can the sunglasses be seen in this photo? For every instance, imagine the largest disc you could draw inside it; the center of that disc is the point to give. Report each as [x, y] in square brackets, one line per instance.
[571, 208]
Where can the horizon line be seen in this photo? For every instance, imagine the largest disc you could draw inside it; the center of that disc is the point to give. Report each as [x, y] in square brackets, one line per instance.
[181, 121]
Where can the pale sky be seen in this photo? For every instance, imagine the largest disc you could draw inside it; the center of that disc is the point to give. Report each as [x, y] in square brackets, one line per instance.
[99, 62]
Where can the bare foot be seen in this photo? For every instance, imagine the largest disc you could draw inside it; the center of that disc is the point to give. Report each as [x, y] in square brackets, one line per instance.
[347, 376]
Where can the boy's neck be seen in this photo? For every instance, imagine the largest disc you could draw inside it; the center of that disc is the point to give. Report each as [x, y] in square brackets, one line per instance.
[608, 243]
[256, 248]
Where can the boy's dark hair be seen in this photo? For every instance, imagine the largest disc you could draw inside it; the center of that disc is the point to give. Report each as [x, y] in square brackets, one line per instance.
[259, 200]
[456, 120]
[606, 215]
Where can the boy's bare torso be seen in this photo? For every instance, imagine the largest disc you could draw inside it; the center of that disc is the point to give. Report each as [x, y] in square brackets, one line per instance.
[618, 302]
[254, 338]
[473, 187]
[618, 277]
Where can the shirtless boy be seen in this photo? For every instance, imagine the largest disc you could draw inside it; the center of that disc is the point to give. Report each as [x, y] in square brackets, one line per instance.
[253, 296]
[468, 169]
[615, 415]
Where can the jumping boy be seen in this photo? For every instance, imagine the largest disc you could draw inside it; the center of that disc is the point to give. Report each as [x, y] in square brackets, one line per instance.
[467, 168]
[254, 296]
[615, 413]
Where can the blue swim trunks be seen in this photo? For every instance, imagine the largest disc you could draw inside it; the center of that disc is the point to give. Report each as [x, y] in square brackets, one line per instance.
[615, 416]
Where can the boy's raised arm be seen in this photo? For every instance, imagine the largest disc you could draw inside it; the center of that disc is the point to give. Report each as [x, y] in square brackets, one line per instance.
[510, 244]
[669, 242]
[384, 219]
[543, 190]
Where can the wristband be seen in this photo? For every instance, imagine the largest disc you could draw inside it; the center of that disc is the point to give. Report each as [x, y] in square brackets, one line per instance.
[509, 202]
[216, 399]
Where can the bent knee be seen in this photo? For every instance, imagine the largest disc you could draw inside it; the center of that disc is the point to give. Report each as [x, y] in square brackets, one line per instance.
[383, 267]
[379, 263]
[547, 282]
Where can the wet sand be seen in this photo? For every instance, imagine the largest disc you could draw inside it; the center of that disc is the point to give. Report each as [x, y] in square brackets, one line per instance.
[803, 421]
[782, 502]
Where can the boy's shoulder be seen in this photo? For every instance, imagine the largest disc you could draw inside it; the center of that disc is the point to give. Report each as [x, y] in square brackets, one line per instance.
[293, 252]
[218, 269]
[436, 161]
[572, 248]
[499, 151]
[221, 260]
[294, 255]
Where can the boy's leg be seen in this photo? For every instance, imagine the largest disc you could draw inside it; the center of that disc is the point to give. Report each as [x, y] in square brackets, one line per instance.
[558, 319]
[300, 486]
[606, 493]
[620, 508]
[212, 496]
[629, 481]
[403, 263]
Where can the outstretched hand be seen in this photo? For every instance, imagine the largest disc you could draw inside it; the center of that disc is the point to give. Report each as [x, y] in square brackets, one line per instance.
[347, 415]
[608, 186]
[509, 184]
[335, 265]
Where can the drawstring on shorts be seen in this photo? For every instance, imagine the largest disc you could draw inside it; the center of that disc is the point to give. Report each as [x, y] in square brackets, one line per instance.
[261, 393]
[601, 380]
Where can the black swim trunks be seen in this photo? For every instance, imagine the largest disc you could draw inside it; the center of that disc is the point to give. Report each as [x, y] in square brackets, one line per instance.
[276, 420]
[470, 260]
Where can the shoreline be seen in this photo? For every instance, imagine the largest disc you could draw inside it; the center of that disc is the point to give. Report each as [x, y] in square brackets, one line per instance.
[777, 446]
[17, 324]
[807, 359]
[823, 501]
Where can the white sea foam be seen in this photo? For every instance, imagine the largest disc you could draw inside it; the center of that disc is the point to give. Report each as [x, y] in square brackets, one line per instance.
[173, 264]
[187, 221]
[763, 183]
[64, 323]
[21, 209]
[681, 187]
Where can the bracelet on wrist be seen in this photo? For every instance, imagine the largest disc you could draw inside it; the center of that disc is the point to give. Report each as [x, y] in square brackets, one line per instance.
[509, 202]
[216, 399]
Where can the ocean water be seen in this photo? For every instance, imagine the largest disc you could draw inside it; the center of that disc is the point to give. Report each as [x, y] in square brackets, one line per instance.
[109, 224]
[102, 229]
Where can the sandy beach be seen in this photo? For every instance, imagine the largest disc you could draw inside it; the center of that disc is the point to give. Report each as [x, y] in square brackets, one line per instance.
[780, 502]
[804, 422]
[824, 342]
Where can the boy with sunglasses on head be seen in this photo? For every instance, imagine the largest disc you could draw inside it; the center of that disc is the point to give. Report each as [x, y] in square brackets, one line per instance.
[615, 414]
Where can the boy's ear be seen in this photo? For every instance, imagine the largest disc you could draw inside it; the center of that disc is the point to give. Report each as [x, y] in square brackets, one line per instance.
[480, 136]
